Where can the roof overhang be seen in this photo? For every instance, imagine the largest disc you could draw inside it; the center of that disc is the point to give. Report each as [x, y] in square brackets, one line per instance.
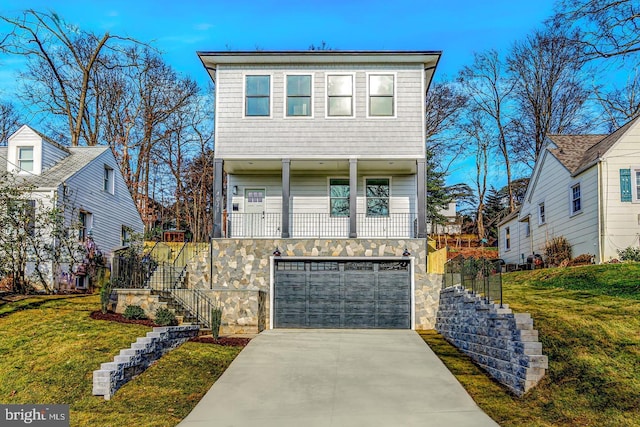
[211, 60]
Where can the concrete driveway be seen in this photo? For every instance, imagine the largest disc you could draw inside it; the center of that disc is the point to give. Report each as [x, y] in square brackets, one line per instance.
[337, 378]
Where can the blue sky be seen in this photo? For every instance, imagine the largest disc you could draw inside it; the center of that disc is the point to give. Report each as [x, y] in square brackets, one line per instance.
[180, 28]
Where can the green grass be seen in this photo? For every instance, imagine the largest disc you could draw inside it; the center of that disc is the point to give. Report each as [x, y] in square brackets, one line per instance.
[49, 348]
[589, 324]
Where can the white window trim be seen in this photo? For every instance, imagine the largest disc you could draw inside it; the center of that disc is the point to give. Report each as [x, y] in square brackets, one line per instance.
[507, 241]
[329, 178]
[395, 94]
[364, 193]
[353, 95]
[284, 103]
[546, 213]
[112, 182]
[579, 211]
[33, 160]
[244, 96]
[634, 187]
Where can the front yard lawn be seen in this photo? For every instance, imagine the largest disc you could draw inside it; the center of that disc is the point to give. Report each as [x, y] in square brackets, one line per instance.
[589, 323]
[49, 348]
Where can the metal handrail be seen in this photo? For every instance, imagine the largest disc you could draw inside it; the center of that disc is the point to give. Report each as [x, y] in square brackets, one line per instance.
[481, 276]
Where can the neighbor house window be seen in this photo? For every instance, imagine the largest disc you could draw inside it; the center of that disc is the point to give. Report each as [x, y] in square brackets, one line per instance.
[377, 191]
[507, 238]
[576, 199]
[636, 187]
[527, 228]
[258, 93]
[84, 225]
[107, 184]
[25, 159]
[340, 95]
[339, 197]
[298, 96]
[381, 94]
[125, 236]
[542, 218]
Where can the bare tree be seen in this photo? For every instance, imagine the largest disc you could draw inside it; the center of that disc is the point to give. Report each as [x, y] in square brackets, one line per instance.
[9, 121]
[549, 91]
[603, 28]
[621, 105]
[445, 104]
[61, 61]
[489, 90]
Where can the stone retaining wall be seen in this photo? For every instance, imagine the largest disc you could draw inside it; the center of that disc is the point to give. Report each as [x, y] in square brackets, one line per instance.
[121, 298]
[133, 361]
[502, 342]
[244, 265]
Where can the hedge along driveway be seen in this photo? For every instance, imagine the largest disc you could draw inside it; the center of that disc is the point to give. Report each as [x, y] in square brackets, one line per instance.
[49, 348]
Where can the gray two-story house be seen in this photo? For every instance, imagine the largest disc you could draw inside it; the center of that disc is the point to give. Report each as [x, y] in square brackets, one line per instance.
[320, 187]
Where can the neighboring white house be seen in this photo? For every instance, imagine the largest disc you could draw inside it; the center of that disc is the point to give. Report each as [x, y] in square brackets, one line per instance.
[585, 188]
[452, 224]
[87, 178]
[324, 153]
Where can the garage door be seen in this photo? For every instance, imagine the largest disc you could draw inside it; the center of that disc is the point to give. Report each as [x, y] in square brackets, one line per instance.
[342, 294]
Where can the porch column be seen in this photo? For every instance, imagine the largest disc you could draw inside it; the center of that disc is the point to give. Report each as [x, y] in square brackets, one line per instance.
[353, 198]
[422, 194]
[286, 190]
[218, 167]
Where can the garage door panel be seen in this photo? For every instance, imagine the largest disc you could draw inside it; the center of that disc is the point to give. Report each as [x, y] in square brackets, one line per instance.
[342, 294]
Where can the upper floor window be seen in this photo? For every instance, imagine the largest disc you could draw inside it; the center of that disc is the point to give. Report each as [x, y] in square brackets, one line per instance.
[258, 94]
[340, 95]
[377, 191]
[381, 95]
[576, 199]
[542, 217]
[107, 184]
[298, 95]
[507, 238]
[339, 197]
[25, 159]
[84, 225]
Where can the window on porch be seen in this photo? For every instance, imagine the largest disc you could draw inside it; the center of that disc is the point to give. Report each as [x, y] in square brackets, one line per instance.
[377, 190]
[339, 197]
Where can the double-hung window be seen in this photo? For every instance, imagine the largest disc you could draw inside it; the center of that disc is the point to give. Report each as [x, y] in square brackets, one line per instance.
[25, 159]
[84, 225]
[107, 181]
[340, 95]
[542, 216]
[339, 197]
[258, 96]
[576, 199]
[298, 95]
[381, 95]
[507, 238]
[377, 190]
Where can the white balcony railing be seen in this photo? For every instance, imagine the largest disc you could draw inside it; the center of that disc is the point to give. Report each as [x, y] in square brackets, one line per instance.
[320, 225]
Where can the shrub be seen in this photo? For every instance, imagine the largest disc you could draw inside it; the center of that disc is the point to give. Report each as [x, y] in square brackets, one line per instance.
[164, 317]
[216, 321]
[134, 312]
[557, 250]
[105, 296]
[583, 259]
[629, 254]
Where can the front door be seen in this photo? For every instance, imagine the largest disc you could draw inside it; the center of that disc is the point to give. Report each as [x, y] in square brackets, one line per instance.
[254, 213]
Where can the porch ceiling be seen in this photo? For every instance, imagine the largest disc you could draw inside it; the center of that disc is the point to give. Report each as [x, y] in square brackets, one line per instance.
[396, 166]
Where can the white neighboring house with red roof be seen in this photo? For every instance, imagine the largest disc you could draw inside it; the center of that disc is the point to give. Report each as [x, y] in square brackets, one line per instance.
[88, 177]
[585, 188]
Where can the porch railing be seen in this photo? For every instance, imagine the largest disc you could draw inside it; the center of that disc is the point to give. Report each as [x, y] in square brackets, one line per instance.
[481, 276]
[321, 225]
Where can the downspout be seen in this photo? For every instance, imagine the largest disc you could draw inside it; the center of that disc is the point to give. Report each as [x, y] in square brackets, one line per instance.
[601, 221]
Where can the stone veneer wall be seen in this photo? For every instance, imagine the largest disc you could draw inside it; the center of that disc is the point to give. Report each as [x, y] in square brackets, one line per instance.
[243, 265]
[502, 342]
[133, 361]
[121, 298]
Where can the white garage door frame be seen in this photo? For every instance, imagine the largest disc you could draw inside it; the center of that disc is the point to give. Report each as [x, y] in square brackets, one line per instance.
[272, 260]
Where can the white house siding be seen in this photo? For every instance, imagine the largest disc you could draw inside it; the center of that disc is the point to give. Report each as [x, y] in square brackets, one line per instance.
[621, 220]
[109, 211]
[278, 136]
[51, 155]
[552, 185]
[520, 243]
[310, 202]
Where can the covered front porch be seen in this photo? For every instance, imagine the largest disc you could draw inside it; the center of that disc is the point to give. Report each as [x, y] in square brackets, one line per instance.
[320, 199]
